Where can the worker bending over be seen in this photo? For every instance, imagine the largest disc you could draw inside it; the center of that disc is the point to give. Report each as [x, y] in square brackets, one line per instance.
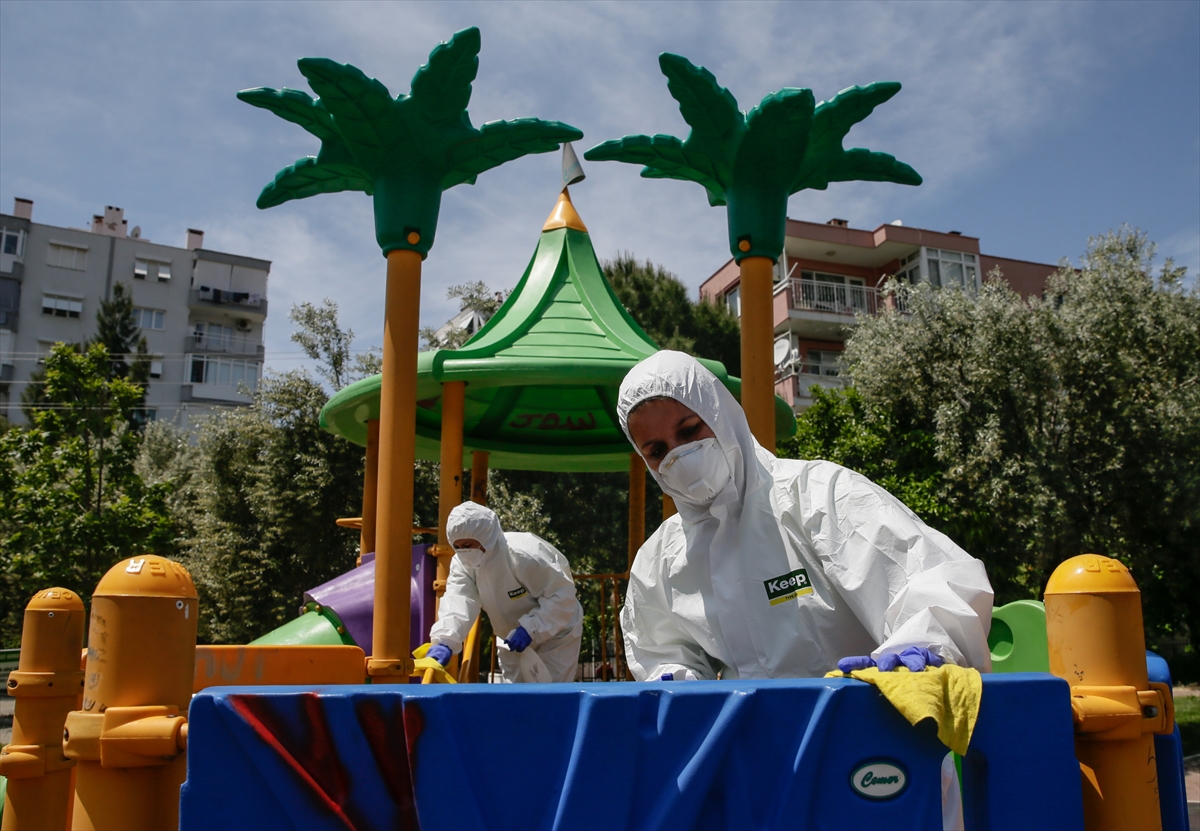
[521, 581]
[776, 568]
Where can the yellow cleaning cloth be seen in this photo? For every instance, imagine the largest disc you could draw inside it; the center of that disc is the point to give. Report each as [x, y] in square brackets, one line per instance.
[440, 676]
[947, 694]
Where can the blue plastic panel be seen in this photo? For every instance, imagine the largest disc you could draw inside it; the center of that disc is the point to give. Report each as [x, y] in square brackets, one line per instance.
[698, 755]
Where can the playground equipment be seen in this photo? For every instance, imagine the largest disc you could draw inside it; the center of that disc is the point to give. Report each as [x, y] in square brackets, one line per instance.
[333, 752]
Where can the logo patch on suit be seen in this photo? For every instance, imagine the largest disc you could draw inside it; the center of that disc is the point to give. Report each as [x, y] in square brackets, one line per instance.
[787, 587]
[515, 593]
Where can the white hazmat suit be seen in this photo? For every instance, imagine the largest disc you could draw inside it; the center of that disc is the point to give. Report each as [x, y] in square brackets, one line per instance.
[519, 580]
[791, 566]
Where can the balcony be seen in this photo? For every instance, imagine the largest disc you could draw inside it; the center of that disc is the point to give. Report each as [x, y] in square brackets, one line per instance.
[822, 310]
[234, 303]
[792, 383]
[236, 345]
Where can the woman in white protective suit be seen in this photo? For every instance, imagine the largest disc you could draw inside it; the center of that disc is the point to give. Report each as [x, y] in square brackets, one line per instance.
[521, 581]
[775, 568]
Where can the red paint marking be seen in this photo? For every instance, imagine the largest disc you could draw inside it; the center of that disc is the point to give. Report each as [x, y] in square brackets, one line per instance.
[395, 768]
[311, 767]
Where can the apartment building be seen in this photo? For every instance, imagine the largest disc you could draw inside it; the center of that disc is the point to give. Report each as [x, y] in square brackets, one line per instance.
[830, 274]
[202, 312]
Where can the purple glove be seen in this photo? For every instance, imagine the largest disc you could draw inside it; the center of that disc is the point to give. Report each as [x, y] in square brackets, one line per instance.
[916, 658]
[518, 640]
[440, 653]
[854, 662]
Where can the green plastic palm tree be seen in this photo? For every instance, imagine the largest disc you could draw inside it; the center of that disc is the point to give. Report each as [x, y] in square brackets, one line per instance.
[752, 162]
[403, 151]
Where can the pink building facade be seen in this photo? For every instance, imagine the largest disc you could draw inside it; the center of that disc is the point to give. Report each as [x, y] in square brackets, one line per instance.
[830, 274]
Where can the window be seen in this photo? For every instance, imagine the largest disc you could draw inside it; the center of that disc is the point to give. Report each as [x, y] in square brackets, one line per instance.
[156, 369]
[214, 336]
[733, 299]
[12, 242]
[67, 256]
[832, 292]
[142, 267]
[61, 305]
[951, 268]
[910, 269]
[225, 372]
[149, 318]
[820, 362]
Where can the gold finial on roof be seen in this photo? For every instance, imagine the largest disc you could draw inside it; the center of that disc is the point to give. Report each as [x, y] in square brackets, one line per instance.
[564, 215]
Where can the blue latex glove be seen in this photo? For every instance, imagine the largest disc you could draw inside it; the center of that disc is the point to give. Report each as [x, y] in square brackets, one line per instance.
[853, 662]
[518, 640]
[440, 653]
[916, 658]
[667, 676]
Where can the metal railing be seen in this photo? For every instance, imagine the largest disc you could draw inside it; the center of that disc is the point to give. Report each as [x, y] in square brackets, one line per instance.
[839, 298]
[236, 344]
[611, 665]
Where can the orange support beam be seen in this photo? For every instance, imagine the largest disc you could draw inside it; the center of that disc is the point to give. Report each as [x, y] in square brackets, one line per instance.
[758, 336]
[479, 477]
[392, 661]
[370, 504]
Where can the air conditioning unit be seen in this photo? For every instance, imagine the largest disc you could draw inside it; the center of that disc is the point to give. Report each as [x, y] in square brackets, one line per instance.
[243, 325]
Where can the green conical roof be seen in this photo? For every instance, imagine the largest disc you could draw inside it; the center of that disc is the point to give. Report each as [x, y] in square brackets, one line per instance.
[542, 375]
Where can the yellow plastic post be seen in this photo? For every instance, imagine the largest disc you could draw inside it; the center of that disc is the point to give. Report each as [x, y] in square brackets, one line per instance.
[46, 685]
[131, 734]
[479, 477]
[392, 661]
[637, 505]
[370, 503]
[1095, 638]
[758, 341]
[450, 480]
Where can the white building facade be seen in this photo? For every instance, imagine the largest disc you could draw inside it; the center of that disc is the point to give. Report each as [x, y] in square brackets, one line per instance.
[202, 312]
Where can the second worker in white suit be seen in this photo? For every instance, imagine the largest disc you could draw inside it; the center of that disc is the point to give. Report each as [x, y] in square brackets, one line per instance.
[521, 581]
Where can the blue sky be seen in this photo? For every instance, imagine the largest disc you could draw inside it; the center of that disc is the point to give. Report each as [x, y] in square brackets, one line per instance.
[1034, 126]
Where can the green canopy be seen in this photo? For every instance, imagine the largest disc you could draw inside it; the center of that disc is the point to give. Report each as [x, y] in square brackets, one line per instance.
[542, 375]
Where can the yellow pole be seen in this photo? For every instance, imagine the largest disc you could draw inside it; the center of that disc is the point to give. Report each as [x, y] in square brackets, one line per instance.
[1094, 633]
[392, 661]
[46, 685]
[370, 503]
[758, 336]
[450, 481]
[130, 735]
[668, 507]
[637, 505]
[479, 477]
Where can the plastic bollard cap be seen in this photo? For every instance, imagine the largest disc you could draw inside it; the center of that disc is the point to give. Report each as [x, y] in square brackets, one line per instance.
[1091, 574]
[147, 575]
[55, 600]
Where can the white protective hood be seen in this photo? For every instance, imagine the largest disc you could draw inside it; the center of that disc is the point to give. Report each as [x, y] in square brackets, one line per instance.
[708, 591]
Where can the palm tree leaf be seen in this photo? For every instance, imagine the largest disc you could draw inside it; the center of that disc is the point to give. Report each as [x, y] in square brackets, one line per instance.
[832, 120]
[441, 88]
[708, 108]
[360, 106]
[665, 157]
[308, 177]
[498, 142]
[716, 198]
[862, 165]
[777, 134]
[294, 106]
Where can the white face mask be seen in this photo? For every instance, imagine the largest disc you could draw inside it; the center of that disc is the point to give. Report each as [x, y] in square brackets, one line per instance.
[698, 470]
[470, 557]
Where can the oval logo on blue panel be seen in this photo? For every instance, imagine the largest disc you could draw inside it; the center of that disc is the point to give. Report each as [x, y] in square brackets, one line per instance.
[879, 780]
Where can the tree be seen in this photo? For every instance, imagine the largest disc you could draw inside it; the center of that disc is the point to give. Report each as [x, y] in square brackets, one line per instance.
[1049, 428]
[658, 301]
[323, 341]
[473, 297]
[71, 502]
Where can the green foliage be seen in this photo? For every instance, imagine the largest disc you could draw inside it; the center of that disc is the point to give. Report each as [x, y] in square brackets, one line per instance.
[1056, 427]
[117, 330]
[753, 161]
[404, 151]
[1187, 716]
[71, 502]
[659, 302]
[474, 297]
[323, 340]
